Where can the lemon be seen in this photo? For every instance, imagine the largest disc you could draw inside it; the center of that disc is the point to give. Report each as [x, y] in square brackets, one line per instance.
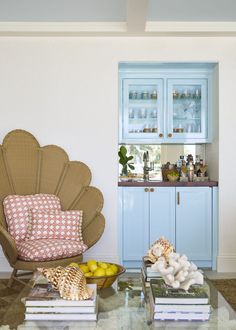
[84, 268]
[109, 271]
[92, 267]
[99, 263]
[91, 262]
[104, 265]
[99, 272]
[73, 264]
[114, 268]
[89, 274]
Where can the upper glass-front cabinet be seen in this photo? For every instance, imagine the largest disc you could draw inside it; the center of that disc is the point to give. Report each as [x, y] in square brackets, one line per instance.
[187, 108]
[142, 116]
[166, 102]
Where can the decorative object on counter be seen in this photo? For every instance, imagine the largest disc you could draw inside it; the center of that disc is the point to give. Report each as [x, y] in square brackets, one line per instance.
[170, 172]
[125, 161]
[202, 170]
[178, 272]
[173, 176]
[147, 166]
[160, 248]
[189, 159]
[69, 281]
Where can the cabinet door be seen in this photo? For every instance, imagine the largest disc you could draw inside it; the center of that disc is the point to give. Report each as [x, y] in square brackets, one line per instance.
[135, 229]
[194, 224]
[162, 214]
[142, 111]
[187, 110]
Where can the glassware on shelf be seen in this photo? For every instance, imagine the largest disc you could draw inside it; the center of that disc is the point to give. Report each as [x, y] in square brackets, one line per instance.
[143, 113]
[145, 95]
[154, 95]
[133, 95]
[131, 113]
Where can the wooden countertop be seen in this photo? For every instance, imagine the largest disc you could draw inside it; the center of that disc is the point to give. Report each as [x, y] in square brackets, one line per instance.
[167, 184]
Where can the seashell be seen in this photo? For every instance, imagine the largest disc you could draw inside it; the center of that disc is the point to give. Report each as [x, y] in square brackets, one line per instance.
[160, 248]
[69, 281]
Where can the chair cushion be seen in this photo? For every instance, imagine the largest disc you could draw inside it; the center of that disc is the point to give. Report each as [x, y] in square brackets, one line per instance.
[49, 249]
[16, 209]
[59, 224]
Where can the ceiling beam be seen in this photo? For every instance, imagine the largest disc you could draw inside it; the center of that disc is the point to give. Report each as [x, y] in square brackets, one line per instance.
[136, 15]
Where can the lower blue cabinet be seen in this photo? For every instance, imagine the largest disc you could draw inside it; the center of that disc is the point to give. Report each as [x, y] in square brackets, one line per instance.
[194, 224]
[146, 214]
[184, 215]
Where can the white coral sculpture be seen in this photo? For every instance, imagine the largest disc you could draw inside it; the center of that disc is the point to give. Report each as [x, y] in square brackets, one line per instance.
[177, 271]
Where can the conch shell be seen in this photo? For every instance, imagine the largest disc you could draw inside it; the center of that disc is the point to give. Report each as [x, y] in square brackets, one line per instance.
[160, 248]
[69, 281]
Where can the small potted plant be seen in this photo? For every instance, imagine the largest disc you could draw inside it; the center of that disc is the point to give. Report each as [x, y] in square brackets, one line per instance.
[125, 161]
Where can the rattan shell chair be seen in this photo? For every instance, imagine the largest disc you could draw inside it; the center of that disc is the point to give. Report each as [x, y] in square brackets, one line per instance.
[26, 168]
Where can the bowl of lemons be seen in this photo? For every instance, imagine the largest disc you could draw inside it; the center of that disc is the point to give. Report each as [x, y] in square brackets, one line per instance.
[101, 273]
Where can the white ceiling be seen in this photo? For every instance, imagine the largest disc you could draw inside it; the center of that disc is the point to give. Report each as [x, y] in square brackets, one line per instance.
[118, 17]
[116, 10]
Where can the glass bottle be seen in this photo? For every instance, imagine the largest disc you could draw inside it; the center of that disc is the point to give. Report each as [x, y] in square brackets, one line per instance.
[190, 171]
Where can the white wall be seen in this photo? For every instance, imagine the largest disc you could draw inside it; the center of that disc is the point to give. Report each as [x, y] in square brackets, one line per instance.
[65, 91]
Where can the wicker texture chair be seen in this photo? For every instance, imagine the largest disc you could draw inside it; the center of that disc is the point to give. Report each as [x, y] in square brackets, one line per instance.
[26, 168]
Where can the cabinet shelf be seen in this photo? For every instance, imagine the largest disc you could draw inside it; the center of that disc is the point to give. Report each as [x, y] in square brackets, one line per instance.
[179, 118]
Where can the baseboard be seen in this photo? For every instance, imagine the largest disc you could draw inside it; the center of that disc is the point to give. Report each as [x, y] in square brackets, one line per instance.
[4, 265]
[226, 263]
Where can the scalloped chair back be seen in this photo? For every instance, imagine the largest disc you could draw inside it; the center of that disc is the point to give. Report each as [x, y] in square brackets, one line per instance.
[26, 168]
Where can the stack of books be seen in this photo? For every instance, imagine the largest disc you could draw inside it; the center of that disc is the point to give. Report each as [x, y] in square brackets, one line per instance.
[173, 304]
[147, 273]
[45, 303]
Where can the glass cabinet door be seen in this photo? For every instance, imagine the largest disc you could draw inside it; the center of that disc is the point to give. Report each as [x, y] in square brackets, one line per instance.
[187, 109]
[142, 115]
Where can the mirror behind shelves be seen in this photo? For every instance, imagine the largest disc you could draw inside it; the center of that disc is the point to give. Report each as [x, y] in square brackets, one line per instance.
[161, 154]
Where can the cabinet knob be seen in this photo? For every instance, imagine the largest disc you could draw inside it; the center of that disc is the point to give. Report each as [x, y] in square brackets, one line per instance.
[160, 135]
[146, 189]
[152, 189]
[169, 135]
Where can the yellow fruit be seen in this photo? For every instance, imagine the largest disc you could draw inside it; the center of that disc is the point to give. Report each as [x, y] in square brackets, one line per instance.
[109, 271]
[73, 264]
[114, 268]
[99, 263]
[89, 274]
[99, 272]
[92, 267]
[84, 268]
[104, 265]
[91, 262]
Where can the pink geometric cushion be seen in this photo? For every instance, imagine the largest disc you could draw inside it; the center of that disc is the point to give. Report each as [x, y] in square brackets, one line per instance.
[16, 209]
[49, 249]
[59, 224]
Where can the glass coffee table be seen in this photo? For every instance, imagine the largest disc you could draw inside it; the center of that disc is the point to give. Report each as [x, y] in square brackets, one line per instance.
[124, 307]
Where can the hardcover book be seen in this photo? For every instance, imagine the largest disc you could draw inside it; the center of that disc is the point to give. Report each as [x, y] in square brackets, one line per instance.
[45, 295]
[163, 294]
[182, 316]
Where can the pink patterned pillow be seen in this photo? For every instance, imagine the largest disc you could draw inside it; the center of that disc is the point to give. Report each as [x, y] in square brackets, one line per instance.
[55, 225]
[16, 209]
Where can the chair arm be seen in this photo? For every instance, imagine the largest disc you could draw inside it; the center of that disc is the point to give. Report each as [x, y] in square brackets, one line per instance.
[8, 245]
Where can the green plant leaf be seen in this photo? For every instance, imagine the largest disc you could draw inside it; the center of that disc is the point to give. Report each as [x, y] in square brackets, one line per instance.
[131, 167]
